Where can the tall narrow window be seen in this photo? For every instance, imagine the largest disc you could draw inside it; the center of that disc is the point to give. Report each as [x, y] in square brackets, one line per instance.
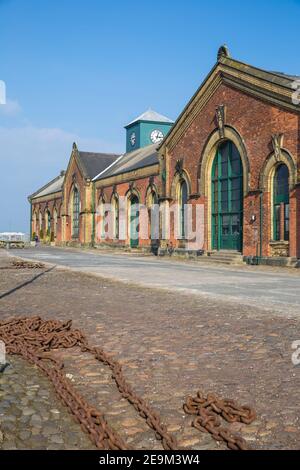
[76, 211]
[116, 217]
[48, 224]
[55, 223]
[281, 209]
[183, 199]
[153, 215]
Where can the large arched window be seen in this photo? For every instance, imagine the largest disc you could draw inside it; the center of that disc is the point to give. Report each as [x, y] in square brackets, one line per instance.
[227, 198]
[75, 213]
[281, 207]
[183, 200]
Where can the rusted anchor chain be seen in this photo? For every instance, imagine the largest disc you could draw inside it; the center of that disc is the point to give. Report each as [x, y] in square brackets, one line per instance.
[208, 410]
[34, 338]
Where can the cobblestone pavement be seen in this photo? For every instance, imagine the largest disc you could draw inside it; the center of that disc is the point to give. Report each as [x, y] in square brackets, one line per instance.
[170, 346]
[31, 417]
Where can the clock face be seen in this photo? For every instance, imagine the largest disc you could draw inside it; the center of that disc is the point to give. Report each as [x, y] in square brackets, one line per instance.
[133, 139]
[156, 136]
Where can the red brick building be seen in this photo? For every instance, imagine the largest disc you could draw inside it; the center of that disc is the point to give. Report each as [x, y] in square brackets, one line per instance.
[234, 152]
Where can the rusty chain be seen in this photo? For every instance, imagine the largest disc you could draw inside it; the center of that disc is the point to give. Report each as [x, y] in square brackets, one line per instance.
[34, 338]
[208, 410]
[16, 264]
[23, 265]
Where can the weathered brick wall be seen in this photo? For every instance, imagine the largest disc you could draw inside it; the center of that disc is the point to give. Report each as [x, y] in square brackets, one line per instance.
[48, 205]
[74, 176]
[139, 187]
[255, 121]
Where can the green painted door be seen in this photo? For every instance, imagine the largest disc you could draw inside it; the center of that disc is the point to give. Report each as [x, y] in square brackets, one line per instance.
[134, 222]
[227, 199]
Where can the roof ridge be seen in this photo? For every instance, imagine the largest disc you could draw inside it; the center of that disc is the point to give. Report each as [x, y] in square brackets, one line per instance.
[98, 153]
[225, 59]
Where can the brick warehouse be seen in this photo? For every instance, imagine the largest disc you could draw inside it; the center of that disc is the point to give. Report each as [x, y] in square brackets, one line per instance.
[234, 150]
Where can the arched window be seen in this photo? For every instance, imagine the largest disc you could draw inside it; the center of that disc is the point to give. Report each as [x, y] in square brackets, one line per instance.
[134, 220]
[75, 213]
[183, 200]
[281, 207]
[115, 208]
[55, 222]
[153, 215]
[101, 220]
[227, 198]
[48, 223]
[34, 223]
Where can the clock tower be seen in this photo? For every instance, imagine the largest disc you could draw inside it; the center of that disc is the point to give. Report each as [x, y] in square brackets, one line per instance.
[148, 128]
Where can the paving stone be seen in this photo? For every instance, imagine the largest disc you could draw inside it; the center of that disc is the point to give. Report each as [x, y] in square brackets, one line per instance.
[170, 346]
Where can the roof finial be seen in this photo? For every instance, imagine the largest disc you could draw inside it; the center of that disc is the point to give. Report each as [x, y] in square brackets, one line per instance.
[223, 52]
[74, 146]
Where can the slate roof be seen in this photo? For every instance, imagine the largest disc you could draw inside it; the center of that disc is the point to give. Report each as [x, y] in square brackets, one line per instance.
[150, 115]
[94, 163]
[131, 161]
[54, 186]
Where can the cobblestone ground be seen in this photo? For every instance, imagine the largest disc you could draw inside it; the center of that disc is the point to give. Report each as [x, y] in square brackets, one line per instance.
[170, 346]
[31, 417]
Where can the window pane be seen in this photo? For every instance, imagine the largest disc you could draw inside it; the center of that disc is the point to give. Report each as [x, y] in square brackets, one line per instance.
[236, 164]
[224, 151]
[286, 221]
[224, 196]
[215, 197]
[277, 222]
[235, 227]
[281, 184]
[225, 225]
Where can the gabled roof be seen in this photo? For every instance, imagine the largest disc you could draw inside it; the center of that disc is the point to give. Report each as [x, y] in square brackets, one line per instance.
[94, 163]
[151, 116]
[274, 87]
[131, 161]
[54, 186]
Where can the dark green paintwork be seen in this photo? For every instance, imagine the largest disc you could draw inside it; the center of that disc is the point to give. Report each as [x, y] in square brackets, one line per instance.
[227, 199]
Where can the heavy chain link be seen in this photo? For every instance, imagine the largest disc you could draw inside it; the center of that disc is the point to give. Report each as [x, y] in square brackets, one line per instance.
[27, 265]
[33, 339]
[208, 410]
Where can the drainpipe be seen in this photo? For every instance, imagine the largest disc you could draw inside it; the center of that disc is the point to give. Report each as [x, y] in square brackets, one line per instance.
[93, 215]
[30, 206]
[260, 223]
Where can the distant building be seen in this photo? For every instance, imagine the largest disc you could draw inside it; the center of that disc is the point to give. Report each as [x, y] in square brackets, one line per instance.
[234, 149]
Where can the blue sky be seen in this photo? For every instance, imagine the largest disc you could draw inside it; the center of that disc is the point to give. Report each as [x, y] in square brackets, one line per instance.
[80, 70]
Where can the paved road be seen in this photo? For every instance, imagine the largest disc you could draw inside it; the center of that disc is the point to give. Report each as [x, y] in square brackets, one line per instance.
[276, 290]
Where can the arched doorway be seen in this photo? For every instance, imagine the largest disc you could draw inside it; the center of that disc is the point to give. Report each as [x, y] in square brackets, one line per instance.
[227, 198]
[134, 221]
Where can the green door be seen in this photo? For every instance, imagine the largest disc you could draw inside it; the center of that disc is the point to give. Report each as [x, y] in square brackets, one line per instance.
[134, 222]
[227, 199]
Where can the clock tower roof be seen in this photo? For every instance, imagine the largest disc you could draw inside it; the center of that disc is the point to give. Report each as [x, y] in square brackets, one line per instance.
[150, 116]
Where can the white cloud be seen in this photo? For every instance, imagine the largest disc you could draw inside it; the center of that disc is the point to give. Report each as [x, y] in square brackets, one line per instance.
[11, 108]
[29, 158]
